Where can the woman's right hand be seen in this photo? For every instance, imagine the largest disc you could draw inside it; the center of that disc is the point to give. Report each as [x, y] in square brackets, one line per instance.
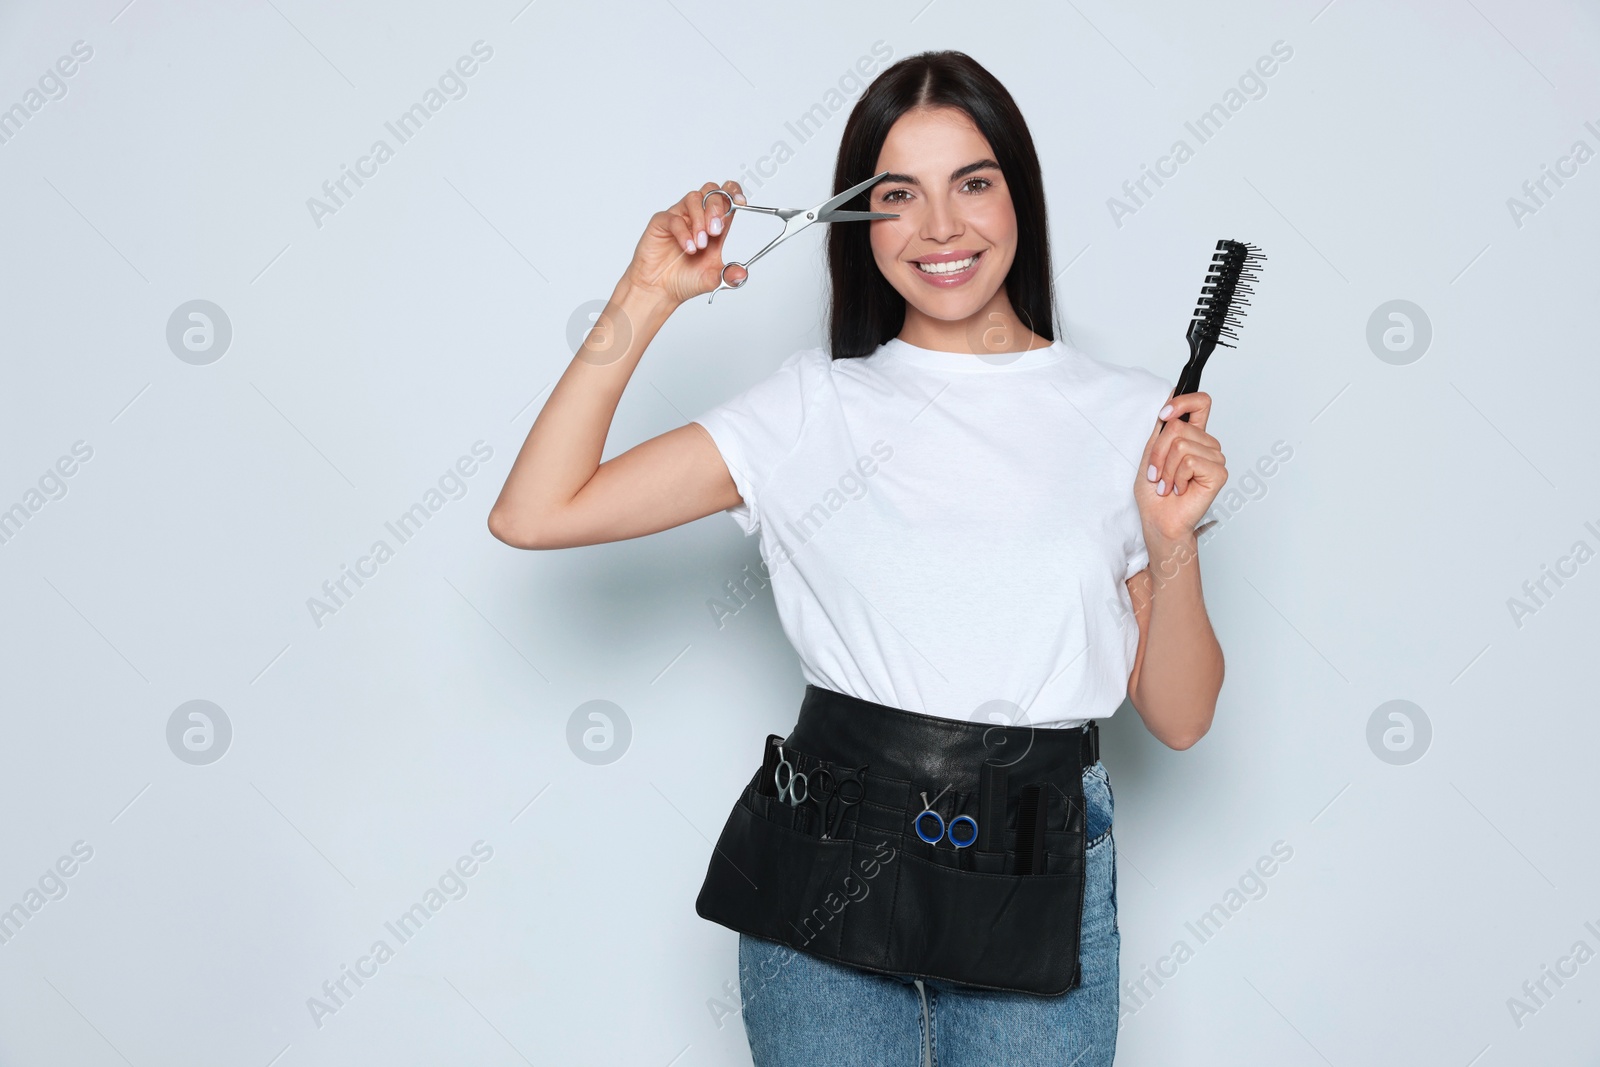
[670, 257]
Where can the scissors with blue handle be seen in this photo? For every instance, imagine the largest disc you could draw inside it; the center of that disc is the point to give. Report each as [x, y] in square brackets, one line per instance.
[795, 219]
[961, 830]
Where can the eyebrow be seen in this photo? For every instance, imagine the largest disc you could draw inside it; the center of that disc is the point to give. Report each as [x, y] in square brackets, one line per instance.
[955, 175]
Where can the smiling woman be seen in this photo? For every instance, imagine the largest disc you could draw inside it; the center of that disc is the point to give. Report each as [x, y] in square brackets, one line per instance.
[947, 179]
[1000, 561]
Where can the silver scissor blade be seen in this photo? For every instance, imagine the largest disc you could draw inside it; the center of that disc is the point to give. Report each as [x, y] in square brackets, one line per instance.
[784, 213]
[845, 197]
[857, 216]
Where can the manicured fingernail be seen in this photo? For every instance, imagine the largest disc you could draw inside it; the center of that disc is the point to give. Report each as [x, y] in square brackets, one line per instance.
[689, 245]
[1161, 487]
[700, 238]
[1166, 411]
[1151, 473]
[716, 224]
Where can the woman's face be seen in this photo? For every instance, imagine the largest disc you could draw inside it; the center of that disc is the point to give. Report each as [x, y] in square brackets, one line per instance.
[955, 215]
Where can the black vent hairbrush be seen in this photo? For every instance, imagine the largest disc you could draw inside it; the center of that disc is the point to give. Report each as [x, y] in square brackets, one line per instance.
[1224, 295]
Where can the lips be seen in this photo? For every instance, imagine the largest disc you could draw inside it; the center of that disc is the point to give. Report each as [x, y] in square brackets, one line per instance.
[948, 266]
[946, 271]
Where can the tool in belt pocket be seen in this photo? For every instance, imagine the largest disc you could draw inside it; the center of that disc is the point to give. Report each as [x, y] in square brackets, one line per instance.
[846, 873]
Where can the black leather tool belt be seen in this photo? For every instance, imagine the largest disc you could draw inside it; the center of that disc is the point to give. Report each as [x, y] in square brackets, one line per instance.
[827, 848]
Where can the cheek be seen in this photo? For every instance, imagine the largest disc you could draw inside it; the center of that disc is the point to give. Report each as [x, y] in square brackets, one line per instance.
[997, 223]
[886, 245]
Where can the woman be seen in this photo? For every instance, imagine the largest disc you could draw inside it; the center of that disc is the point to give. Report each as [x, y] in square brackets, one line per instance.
[949, 503]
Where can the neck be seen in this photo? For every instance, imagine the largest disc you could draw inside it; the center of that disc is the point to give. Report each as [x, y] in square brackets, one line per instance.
[992, 329]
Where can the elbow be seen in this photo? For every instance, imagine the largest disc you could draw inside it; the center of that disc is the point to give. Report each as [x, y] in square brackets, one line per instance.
[1176, 730]
[1187, 735]
[507, 531]
[1180, 742]
[1182, 726]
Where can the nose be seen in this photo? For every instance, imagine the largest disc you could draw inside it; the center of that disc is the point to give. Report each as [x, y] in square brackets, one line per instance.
[940, 222]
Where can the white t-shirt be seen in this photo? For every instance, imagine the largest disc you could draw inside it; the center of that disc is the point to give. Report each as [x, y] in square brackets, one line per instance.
[948, 534]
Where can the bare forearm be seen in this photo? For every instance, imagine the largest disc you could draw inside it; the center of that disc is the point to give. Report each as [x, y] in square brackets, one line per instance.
[563, 447]
[1178, 681]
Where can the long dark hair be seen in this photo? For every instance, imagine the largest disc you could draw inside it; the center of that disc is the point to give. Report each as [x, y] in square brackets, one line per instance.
[864, 309]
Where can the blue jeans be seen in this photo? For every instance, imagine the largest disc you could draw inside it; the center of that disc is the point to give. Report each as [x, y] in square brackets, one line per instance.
[801, 1011]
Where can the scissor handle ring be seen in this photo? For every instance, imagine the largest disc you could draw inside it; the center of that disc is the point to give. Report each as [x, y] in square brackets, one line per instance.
[713, 192]
[722, 278]
[951, 830]
[936, 838]
[847, 797]
[786, 789]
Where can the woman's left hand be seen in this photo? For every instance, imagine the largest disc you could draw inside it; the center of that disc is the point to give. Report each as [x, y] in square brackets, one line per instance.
[1182, 471]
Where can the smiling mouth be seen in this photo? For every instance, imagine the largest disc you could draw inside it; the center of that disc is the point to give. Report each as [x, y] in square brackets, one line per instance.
[954, 266]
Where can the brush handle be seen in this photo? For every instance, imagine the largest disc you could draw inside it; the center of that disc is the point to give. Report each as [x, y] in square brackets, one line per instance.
[1200, 349]
[1189, 382]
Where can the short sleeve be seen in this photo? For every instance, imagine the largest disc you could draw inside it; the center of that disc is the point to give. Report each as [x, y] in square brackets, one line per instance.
[757, 429]
[1151, 392]
[1139, 560]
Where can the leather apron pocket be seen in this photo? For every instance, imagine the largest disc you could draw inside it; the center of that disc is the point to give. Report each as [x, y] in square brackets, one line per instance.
[875, 895]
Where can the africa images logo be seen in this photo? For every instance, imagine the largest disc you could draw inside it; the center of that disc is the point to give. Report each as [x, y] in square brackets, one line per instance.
[451, 85]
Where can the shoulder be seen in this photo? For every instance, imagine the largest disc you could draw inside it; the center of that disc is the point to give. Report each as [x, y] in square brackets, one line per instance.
[810, 371]
[1122, 379]
[791, 381]
[804, 374]
[803, 367]
[810, 362]
[771, 412]
[1119, 386]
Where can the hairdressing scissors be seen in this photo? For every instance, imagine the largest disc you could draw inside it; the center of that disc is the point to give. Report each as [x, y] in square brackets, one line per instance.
[834, 795]
[961, 830]
[795, 219]
[784, 776]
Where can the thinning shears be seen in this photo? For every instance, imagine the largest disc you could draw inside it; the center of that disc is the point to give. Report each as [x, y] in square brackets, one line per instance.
[795, 219]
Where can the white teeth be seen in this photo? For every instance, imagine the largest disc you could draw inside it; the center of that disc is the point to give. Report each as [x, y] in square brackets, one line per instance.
[952, 267]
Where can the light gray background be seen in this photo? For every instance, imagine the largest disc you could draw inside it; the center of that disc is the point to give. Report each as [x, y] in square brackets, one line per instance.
[432, 711]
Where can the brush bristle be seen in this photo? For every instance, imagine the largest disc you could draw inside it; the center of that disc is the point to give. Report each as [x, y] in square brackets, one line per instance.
[1224, 295]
